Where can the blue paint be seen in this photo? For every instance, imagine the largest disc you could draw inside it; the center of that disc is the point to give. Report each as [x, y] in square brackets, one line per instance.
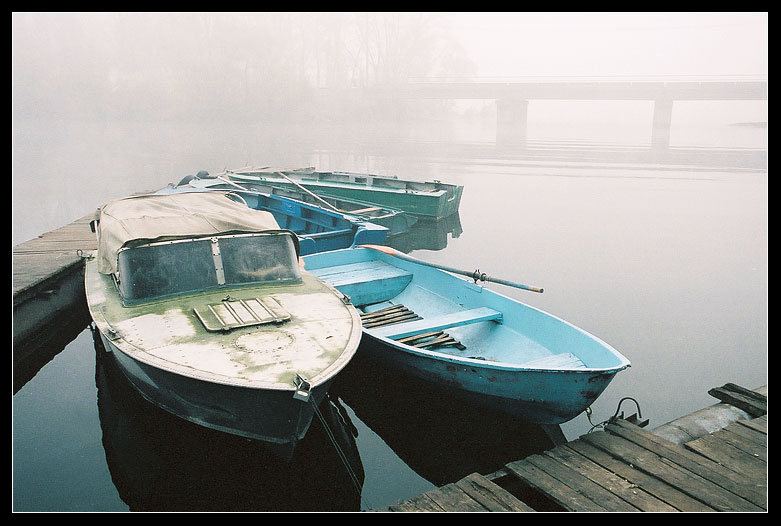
[318, 229]
[518, 358]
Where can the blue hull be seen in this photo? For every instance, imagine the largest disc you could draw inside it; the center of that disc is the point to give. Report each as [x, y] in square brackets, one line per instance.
[488, 346]
[318, 229]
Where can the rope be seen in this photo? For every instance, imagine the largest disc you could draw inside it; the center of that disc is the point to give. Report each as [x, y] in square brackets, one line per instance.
[342, 456]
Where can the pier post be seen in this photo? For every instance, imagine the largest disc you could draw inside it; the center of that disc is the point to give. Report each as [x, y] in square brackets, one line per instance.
[511, 117]
[660, 134]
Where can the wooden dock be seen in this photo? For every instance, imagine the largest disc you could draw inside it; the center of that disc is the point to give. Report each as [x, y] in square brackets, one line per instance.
[48, 290]
[627, 468]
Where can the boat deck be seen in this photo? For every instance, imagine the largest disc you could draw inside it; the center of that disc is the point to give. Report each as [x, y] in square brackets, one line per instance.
[627, 468]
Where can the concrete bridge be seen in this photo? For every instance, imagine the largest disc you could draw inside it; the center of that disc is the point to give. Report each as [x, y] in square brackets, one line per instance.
[512, 97]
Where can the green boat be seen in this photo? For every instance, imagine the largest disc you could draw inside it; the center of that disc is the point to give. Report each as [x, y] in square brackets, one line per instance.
[424, 199]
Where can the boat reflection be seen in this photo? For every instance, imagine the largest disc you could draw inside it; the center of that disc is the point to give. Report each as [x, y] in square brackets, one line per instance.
[427, 234]
[159, 462]
[441, 437]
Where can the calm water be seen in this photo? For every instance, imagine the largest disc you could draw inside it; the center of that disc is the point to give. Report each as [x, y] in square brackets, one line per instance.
[666, 262]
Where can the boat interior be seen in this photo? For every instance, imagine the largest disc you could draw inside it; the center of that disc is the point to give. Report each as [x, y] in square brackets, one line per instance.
[396, 304]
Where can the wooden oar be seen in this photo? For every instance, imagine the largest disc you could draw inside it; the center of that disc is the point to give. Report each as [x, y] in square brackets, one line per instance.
[475, 275]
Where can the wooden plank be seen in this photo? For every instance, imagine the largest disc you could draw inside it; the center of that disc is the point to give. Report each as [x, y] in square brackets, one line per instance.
[562, 472]
[418, 503]
[745, 392]
[390, 319]
[489, 495]
[752, 435]
[436, 323]
[626, 490]
[735, 439]
[652, 485]
[716, 450]
[383, 312]
[735, 482]
[561, 494]
[751, 405]
[451, 498]
[757, 424]
[411, 339]
[688, 482]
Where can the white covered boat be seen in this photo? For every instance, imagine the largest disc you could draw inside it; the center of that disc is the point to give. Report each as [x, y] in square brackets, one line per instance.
[205, 307]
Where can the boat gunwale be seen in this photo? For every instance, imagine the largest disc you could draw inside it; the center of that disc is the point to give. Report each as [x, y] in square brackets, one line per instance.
[490, 364]
[271, 179]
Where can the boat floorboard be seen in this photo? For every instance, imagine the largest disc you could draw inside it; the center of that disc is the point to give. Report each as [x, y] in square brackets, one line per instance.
[627, 468]
[400, 314]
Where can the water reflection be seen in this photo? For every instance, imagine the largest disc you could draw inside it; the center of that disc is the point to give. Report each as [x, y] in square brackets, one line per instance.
[438, 435]
[159, 462]
[428, 234]
[32, 354]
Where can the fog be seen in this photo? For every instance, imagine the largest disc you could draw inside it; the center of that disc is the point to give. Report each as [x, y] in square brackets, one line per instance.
[659, 247]
[275, 66]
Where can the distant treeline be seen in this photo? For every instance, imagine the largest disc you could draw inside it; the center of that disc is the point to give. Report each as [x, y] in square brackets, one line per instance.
[207, 66]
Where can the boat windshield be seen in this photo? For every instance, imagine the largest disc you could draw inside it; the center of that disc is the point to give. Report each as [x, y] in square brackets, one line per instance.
[163, 269]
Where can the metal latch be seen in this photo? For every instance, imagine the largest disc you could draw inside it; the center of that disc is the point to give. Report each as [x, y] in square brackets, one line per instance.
[303, 389]
[111, 332]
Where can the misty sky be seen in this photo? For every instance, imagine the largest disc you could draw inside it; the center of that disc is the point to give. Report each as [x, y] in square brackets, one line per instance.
[596, 44]
[502, 44]
[111, 65]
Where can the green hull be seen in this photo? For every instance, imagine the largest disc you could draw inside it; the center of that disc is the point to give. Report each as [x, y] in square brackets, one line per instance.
[430, 199]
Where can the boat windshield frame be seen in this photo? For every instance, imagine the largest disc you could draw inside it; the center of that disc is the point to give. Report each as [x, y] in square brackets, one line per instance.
[163, 269]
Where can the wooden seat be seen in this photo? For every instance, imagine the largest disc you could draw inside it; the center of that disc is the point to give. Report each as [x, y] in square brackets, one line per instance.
[367, 282]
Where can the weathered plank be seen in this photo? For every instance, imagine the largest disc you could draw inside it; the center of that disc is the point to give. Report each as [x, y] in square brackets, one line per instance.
[561, 494]
[489, 495]
[746, 444]
[729, 386]
[659, 489]
[418, 503]
[451, 498]
[717, 450]
[747, 401]
[757, 424]
[562, 472]
[671, 473]
[735, 482]
[747, 433]
[621, 487]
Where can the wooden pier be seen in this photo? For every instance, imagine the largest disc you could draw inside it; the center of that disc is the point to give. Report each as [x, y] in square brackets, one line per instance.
[627, 468]
[48, 292]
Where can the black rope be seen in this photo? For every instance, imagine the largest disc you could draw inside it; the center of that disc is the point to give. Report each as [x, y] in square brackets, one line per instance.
[615, 415]
[342, 455]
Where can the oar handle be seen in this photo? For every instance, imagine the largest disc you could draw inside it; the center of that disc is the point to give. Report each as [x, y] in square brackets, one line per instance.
[475, 275]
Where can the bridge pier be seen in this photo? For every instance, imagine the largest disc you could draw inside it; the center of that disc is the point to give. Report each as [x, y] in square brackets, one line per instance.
[511, 117]
[660, 132]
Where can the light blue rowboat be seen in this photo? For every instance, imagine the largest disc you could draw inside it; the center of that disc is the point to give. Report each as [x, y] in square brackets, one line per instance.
[456, 333]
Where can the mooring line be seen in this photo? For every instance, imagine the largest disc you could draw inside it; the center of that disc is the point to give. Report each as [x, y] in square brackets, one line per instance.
[342, 455]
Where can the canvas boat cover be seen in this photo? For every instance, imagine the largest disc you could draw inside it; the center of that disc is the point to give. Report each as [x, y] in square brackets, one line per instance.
[142, 219]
